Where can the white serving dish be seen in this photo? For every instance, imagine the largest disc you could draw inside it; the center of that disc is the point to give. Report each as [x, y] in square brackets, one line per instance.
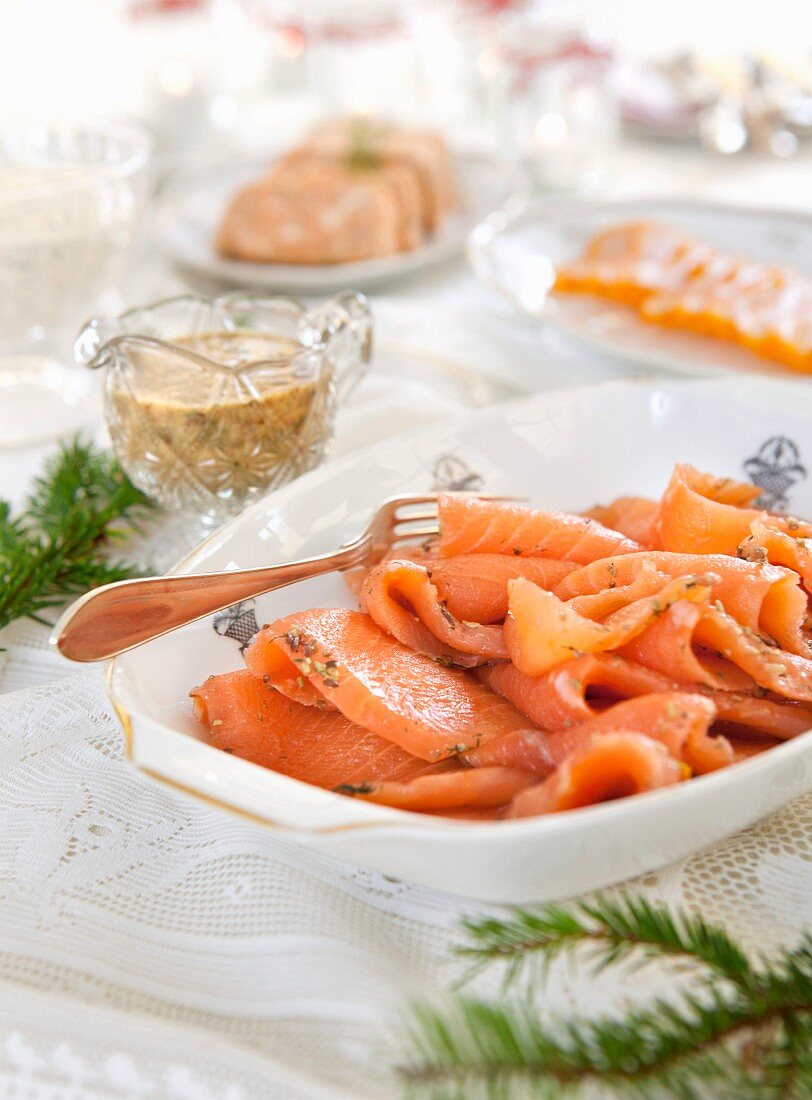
[192, 207]
[517, 254]
[566, 450]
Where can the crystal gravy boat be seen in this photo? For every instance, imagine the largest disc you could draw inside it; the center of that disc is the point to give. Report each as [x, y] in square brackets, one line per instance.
[212, 402]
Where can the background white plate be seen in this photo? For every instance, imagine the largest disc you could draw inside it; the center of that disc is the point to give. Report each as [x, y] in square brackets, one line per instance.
[517, 255]
[192, 206]
[564, 450]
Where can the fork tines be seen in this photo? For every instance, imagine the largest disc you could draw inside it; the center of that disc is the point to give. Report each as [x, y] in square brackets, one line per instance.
[415, 517]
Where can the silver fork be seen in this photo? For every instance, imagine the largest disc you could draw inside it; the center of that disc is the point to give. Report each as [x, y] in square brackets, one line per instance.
[117, 617]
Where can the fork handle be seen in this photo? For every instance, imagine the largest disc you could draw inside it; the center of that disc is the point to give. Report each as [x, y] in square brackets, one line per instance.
[119, 616]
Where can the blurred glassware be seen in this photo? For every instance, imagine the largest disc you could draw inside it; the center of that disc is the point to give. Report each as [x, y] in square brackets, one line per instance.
[71, 199]
[729, 104]
[212, 402]
[359, 58]
[557, 108]
[173, 45]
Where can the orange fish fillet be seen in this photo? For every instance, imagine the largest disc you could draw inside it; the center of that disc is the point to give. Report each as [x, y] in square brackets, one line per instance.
[469, 525]
[667, 646]
[628, 262]
[679, 719]
[781, 547]
[701, 514]
[567, 695]
[599, 605]
[613, 766]
[254, 721]
[474, 586]
[630, 515]
[431, 711]
[781, 720]
[401, 598]
[760, 596]
[463, 788]
[786, 674]
[542, 631]
[559, 698]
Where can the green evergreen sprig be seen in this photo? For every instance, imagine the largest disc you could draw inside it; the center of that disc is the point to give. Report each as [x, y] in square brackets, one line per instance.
[745, 1031]
[60, 544]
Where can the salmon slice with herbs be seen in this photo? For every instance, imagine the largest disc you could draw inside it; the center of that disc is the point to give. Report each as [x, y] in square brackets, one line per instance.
[759, 595]
[474, 586]
[469, 525]
[748, 716]
[456, 789]
[599, 605]
[766, 543]
[680, 720]
[254, 721]
[429, 710]
[583, 687]
[613, 766]
[786, 674]
[668, 646]
[543, 631]
[247, 717]
[402, 599]
[702, 514]
[566, 695]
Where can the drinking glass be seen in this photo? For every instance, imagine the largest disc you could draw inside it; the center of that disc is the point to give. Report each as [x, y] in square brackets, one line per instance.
[71, 198]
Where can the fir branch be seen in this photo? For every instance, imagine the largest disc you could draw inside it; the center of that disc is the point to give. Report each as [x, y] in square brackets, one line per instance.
[745, 1032]
[60, 543]
[615, 930]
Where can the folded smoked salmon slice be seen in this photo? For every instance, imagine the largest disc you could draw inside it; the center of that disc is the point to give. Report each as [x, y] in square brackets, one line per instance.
[251, 719]
[578, 690]
[702, 514]
[786, 674]
[560, 698]
[734, 658]
[469, 525]
[667, 647]
[608, 767]
[254, 721]
[408, 698]
[760, 596]
[599, 605]
[766, 542]
[754, 716]
[543, 631]
[474, 586]
[630, 515]
[680, 720]
[458, 788]
[402, 599]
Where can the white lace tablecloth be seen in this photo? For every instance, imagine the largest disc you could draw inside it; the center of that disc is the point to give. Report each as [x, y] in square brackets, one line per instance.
[154, 947]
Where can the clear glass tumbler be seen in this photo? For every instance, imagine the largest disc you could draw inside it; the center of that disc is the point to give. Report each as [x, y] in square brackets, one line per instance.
[71, 198]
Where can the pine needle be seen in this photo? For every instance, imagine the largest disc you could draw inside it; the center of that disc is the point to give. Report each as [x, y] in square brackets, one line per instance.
[746, 1031]
[60, 544]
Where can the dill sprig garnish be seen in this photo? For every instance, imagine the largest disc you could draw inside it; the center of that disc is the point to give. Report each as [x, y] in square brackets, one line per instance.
[60, 543]
[743, 1031]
